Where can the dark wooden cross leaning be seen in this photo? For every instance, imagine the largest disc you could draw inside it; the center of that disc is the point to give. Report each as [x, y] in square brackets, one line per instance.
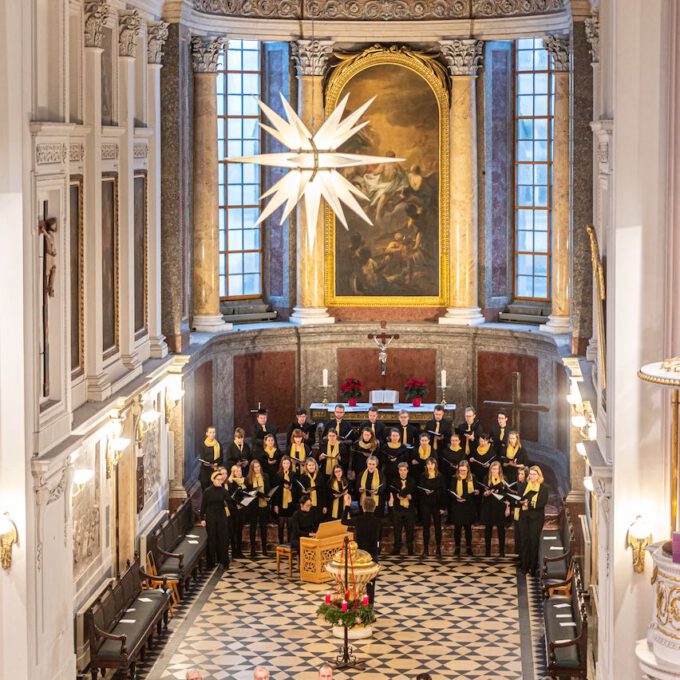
[516, 405]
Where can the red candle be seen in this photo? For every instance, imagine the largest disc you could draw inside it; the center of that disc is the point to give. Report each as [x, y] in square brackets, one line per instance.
[365, 601]
[328, 598]
[344, 605]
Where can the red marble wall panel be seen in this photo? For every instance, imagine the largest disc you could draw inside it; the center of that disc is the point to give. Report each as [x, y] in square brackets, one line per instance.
[494, 382]
[402, 364]
[387, 314]
[203, 400]
[268, 378]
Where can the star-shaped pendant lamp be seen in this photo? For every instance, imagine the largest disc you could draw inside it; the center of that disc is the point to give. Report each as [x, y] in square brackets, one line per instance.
[314, 162]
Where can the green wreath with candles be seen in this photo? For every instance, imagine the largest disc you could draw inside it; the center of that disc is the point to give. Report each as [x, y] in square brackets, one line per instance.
[357, 614]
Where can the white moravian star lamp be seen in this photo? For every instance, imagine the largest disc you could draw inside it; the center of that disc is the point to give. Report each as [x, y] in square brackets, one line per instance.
[314, 161]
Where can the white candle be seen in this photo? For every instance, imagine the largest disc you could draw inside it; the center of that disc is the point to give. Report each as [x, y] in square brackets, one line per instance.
[324, 378]
[443, 381]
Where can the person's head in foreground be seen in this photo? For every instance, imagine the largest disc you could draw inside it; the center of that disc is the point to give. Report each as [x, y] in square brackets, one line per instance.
[194, 674]
[325, 672]
[261, 673]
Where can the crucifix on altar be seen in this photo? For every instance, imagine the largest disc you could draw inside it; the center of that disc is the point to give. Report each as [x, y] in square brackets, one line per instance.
[516, 405]
[383, 341]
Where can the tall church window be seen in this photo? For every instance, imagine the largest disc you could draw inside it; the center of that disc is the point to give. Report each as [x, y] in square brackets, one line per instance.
[239, 83]
[534, 96]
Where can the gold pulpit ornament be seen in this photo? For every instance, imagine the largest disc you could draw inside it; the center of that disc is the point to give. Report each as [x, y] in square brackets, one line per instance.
[8, 537]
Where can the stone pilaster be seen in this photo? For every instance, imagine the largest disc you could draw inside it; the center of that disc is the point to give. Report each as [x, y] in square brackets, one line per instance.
[157, 33]
[559, 321]
[463, 58]
[205, 53]
[96, 13]
[311, 58]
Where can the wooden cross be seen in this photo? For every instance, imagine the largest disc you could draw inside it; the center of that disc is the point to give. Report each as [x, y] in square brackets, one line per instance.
[383, 342]
[516, 405]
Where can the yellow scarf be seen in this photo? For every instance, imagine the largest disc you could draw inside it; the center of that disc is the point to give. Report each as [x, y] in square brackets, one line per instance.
[269, 451]
[297, 452]
[404, 437]
[511, 451]
[424, 453]
[375, 483]
[436, 429]
[332, 453]
[394, 445]
[493, 481]
[502, 433]
[312, 488]
[365, 445]
[483, 450]
[470, 485]
[259, 485]
[455, 449]
[431, 475]
[403, 501]
[215, 447]
[531, 486]
[335, 486]
[468, 430]
[287, 498]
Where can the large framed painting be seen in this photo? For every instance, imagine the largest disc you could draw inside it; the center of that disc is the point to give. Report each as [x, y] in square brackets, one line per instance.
[402, 258]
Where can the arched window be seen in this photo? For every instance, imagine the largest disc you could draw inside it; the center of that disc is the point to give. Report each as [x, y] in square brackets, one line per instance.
[534, 89]
[239, 83]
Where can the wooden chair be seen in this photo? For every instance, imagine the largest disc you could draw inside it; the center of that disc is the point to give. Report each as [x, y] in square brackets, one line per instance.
[284, 550]
[171, 579]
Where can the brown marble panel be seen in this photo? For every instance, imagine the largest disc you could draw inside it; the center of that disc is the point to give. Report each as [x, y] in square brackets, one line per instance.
[388, 314]
[494, 382]
[203, 401]
[402, 364]
[268, 378]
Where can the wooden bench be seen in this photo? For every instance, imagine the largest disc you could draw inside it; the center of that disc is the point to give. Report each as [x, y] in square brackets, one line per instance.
[566, 630]
[123, 620]
[555, 549]
[179, 546]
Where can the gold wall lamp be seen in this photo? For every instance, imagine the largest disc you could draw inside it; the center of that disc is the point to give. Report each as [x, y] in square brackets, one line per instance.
[639, 537]
[8, 537]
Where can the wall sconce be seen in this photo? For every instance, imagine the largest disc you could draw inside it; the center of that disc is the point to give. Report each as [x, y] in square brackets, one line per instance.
[173, 395]
[588, 484]
[574, 396]
[81, 477]
[581, 449]
[639, 537]
[116, 443]
[8, 537]
[145, 415]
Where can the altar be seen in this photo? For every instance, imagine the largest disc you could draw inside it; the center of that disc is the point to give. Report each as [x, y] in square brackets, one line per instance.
[359, 413]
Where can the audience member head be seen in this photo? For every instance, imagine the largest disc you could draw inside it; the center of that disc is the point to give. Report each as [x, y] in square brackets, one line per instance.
[423, 676]
[194, 674]
[369, 504]
[470, 415]
[261, 673]
[325, 672]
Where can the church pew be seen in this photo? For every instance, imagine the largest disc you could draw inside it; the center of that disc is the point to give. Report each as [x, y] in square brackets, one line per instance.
[556, 548]
[566, 629]
[122, 621]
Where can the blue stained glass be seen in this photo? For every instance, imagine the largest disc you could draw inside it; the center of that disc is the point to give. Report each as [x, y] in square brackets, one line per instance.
[251, 239]
[251, 194]
[541, 197]
[235, 194]
[541, 151]
[525, 83]
[525, 219]
[250, 216]
[541, 265]
[541, 220]
[235, 240]
[525, 151]
[540, 174]
[524, 195]
[251, 263]
[525, 60]
[235, 218]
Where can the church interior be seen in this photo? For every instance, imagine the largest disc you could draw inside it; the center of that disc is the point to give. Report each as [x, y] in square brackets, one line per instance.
[340, 339]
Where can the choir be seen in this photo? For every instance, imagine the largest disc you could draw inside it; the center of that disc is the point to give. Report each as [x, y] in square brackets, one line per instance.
[440, 476]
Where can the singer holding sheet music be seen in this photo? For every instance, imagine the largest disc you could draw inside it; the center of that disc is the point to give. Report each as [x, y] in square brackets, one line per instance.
[495, 507]
[285, 496]
[439, 429]
[403, 504]
[531, 519]
[431, 488]
[210, 456]
[482, 457]
[258, 482]
[338, 487]
[393, 453]
[236, 486]
[371, 484]
[311, 483]
[360, 452]
[513, 457]
[463, 492]
[214, 516]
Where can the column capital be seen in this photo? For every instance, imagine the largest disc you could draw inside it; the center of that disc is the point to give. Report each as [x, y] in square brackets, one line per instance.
[558, 49]
[96, 14]
[463, 57]
[311, 56]
[592, 26]
[156, 35]
[129, 26]
[205, 52]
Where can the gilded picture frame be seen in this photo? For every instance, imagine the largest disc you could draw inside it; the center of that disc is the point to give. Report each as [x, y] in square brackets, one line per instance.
[434, 76]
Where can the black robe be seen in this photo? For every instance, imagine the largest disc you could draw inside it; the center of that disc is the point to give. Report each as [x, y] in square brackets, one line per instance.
[236, 456]
[463, 511]
[358, 457]
[391, 457]
[305, 484]
[445, 429]
[463, 430]
[342, 459]
[343, 429]
[214, 503]
[302, 524]
[480, 462]
[434, 500]
[492, 511]
[333, 495]
[448, 461]
[297, 464]
[259, 434]
[378, 429]
[412, 434]
[410, 489]
[499, 443]
[270, 465]
[510, 471]
[307, 430]
[209, 463]
[295, 491]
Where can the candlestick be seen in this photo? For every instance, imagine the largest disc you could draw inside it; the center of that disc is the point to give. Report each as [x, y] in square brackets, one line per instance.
[365, 601]
[324, 378]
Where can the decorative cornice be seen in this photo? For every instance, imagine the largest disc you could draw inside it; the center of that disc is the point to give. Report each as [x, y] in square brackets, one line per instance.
[379, 10]
[109, 152]
[129, 25]
[205, 53]
[140, 150]
[311, 56]
[76, 152]
[96, 14]
[47, 154]
[463, 57]
[156, 35]
[604, 131]
[559, 50]
[592, 25]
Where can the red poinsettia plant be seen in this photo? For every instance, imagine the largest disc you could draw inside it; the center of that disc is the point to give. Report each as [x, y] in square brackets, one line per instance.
[415, 389]
[352, 388]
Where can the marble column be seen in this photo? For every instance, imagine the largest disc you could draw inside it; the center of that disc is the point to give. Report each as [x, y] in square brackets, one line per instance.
[129, 25]
[157, 34]
[559, 322]
[207, 316]
[463, 58]
[96, 13]
[311, 57]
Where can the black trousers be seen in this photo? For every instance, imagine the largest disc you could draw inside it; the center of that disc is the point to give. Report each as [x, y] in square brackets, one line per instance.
[403, 520]
[530, 529]
[431, 514]
[284, 523]
[457, 530]
[518, 539]
[488, 529]
[217, 529]
[258, 516]
[238, 521]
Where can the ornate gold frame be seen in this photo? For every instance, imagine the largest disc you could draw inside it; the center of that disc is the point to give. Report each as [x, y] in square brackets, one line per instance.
[77, 181]
[142, 174]
[601, 290]
[435, 76]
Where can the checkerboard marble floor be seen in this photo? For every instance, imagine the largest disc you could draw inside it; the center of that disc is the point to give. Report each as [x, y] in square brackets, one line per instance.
[453, 619]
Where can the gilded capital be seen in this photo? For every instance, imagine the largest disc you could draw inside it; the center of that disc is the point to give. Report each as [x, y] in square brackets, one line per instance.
[156, 35]
[311, 56]
[558, 49]
[129, 25]
[96, 14]
[593, 36]
[463, 57]
[205, 53]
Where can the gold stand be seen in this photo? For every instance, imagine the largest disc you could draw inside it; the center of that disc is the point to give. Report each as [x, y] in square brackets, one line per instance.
[675, 457]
